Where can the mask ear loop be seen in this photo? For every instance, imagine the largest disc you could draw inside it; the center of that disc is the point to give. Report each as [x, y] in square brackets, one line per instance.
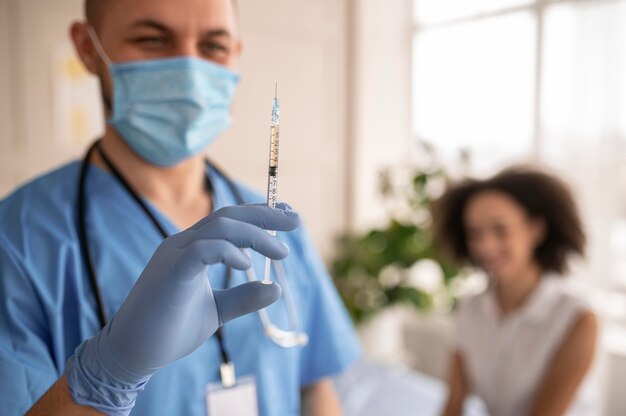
[95, 40]
[96, 43]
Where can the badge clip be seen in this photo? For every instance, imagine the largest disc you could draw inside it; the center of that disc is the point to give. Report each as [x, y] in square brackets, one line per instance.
[227, 373]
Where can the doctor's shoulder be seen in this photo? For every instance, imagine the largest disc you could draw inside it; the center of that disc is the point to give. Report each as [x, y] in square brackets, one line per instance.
[43, 206]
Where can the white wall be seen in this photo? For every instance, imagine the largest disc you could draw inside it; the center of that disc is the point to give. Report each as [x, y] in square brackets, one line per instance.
[302, 45]
[28, 30]
[380, 101]
[5, 97]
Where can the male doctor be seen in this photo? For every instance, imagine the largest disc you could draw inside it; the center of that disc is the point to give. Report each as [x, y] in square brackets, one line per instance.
[115, 272]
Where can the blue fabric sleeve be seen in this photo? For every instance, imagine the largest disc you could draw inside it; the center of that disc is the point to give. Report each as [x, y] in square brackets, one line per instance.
[333, 343]
[27, 369]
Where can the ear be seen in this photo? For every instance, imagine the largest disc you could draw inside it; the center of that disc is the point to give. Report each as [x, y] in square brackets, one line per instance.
[538, 230]
[84, 46]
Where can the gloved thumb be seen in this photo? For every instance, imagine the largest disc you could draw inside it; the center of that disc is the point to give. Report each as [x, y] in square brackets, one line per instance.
[243, 299]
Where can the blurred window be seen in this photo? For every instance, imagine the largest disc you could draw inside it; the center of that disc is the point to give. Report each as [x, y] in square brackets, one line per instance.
[473, 85]
[545, 80]
[436, 11]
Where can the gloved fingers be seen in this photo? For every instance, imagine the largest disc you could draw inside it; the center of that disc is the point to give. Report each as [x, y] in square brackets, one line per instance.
[279, 205]
[241, 234]
[202, 253]
[281, 218]
[243, 299]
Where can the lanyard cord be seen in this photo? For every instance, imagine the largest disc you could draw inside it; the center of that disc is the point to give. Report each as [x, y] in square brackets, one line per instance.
[82, 236]
[82, 207]
[130, 190]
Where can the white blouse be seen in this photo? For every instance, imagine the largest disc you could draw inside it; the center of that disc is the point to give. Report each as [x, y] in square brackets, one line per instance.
[505, 359]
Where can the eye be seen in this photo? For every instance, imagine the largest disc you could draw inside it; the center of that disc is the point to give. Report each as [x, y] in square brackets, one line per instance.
[152, 41]
[212, 48]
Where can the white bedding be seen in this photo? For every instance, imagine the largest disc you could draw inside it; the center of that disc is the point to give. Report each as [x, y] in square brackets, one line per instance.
[370, 389]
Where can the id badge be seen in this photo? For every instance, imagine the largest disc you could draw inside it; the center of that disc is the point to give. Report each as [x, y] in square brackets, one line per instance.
[237, 400]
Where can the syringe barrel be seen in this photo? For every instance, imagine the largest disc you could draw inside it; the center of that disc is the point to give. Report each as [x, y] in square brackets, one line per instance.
[272, 190]
[272, 179]
[274, 136]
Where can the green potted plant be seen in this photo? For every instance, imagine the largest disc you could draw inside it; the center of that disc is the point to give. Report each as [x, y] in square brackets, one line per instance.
[397, 264]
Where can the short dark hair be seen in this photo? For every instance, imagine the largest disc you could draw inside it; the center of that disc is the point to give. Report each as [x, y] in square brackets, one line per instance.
[540, 194]
[93, 11]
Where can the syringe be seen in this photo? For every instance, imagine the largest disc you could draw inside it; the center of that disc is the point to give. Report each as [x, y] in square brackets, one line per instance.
[272, 177]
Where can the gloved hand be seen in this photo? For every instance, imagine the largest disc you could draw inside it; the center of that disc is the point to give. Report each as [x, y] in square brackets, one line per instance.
[172, 309]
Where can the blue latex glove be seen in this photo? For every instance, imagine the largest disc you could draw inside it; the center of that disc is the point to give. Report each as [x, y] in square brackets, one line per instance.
[172, 309]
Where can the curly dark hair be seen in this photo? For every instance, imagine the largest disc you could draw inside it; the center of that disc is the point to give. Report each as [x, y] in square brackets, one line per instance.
[540, 194]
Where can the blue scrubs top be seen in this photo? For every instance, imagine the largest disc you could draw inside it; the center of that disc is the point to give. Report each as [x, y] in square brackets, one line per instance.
[48, 307]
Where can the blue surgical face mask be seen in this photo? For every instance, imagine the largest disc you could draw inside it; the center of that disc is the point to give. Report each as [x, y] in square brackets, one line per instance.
[168, 110]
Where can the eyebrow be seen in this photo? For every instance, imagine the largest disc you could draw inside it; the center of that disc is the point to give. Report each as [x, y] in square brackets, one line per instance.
[218, 32]
[153, 24]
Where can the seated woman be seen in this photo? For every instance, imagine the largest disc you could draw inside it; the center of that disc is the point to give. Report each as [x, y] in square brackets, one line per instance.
[526, 343]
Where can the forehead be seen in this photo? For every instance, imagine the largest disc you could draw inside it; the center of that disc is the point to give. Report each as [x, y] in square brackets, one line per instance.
[178, 15]
[492, 206]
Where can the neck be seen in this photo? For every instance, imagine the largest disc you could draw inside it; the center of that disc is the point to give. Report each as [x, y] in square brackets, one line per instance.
[512, 294]
[178, 191]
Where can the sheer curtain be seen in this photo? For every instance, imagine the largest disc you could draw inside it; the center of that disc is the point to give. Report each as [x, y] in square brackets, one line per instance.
[583, 123]
[583, 134]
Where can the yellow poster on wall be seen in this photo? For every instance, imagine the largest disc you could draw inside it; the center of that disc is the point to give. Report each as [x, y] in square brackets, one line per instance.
[77, 109]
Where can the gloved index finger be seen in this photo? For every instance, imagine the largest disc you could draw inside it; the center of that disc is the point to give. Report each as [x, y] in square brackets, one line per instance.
[281, 218]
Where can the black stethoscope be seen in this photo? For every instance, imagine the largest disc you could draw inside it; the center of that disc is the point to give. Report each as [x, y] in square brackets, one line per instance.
[82, 229]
